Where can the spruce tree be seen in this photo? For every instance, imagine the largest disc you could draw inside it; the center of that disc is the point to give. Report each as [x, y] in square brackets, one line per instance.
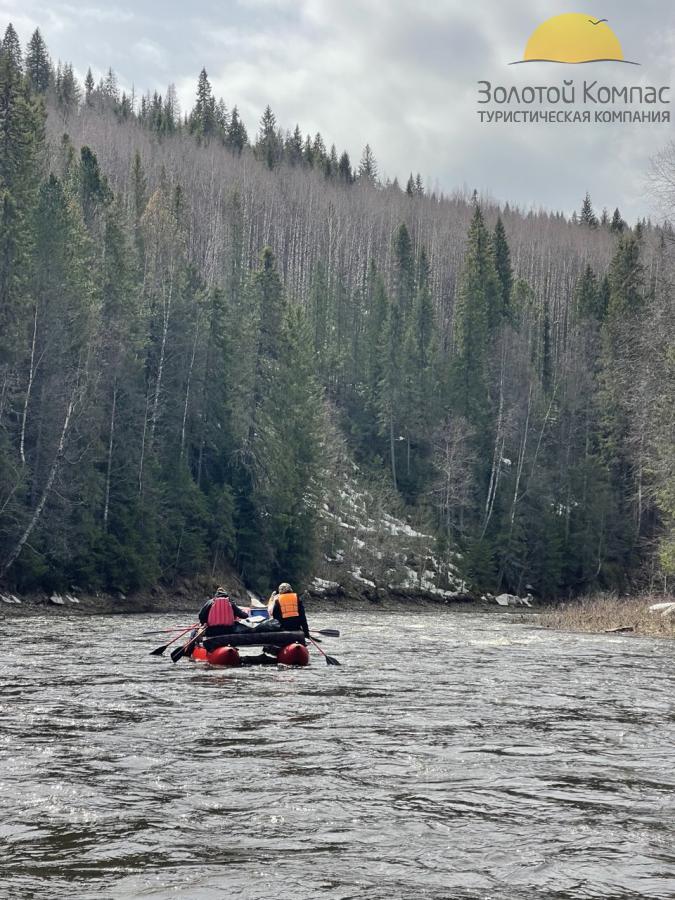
[95, 192]
[294, 147]
[89, 88]
[617, 224]
[21, 144]
[11, 51]
[368, 166]
[236, 138]
[345, 168]
[203, 120]
[270, 303]
[297, 418]
[619, 335]
[308, 152]
[587, 296]
[257, 468]
[478, 285]
[420, 395]
[319, 150]
[67, 90]
[38, 64]
[403, 271]
[222, 117]
[332, 163]
[268, 145]
[503, 266]
[64, 314]
[588, 216]
[626, 281]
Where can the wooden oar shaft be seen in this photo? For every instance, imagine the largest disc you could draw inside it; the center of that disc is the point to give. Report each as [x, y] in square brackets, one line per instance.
[316, 645]
[159, 650]
[180, 652]
[330, 660]
[182, 628]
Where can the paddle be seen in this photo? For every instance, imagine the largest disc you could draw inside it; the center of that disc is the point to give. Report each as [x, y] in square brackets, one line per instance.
[330, 660]
[180, 652]
[328, 632]
[171, 630]
[159, 650]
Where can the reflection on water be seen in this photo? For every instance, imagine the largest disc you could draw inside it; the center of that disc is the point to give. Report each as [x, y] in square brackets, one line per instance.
[454, 757]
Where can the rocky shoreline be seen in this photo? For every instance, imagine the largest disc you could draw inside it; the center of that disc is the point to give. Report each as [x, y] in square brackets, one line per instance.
[188, 596]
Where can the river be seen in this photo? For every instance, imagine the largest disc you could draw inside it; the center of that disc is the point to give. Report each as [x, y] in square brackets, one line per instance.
[460, 756]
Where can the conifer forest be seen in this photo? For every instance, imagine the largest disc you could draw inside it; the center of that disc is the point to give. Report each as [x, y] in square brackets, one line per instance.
[191, 311]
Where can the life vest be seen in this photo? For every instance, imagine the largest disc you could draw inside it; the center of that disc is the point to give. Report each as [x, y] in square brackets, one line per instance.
[289, 605]
[221, 612]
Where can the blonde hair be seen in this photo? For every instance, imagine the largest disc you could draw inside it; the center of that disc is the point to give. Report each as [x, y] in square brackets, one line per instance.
[285, 588]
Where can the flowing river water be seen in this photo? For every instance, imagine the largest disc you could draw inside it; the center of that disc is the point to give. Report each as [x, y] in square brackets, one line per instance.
[458, 756]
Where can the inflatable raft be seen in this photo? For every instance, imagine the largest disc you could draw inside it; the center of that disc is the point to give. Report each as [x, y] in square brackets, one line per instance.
[286, 648]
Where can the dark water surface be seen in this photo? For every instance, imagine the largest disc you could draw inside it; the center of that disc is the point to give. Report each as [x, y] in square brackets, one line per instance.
[458, 757]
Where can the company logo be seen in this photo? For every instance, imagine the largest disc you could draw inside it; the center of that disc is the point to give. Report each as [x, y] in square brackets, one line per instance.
[573, 38]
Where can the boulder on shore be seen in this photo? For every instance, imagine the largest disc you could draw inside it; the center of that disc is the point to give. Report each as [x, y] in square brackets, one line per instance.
[513, 600]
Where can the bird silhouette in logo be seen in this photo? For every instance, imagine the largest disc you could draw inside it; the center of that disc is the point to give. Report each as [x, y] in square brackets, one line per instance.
[567, 39]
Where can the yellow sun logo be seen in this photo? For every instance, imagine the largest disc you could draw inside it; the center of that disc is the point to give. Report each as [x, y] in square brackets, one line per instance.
[574, 38]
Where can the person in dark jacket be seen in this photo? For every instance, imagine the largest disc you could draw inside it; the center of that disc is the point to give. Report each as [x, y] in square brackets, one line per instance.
[220, 615]
[288, 609]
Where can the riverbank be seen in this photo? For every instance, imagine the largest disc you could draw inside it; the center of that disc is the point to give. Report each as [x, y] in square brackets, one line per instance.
[187, 596]
[648, 615]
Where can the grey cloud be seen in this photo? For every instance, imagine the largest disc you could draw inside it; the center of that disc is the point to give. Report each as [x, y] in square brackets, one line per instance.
[400, 74]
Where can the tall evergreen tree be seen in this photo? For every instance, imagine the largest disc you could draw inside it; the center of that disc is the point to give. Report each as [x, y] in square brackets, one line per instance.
[11, 50]
[617, 224]
[587, 295]
[268, 146]
[203, 120]
[38, 64]
[345, 168]
[294, 147]
[89, 87]
[21, 143]
[626, 281]
[403, 272]
[588, 216]
[478, 287]
[236, 137]
[368, 166]
[503, 266]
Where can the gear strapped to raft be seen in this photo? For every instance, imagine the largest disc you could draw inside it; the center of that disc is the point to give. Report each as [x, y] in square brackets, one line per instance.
[254, 639]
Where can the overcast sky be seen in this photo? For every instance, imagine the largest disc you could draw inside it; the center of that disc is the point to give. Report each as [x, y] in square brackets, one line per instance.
[399, 74]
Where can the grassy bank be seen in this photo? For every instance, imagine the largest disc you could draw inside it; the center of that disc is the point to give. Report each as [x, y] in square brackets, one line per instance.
[607, 612]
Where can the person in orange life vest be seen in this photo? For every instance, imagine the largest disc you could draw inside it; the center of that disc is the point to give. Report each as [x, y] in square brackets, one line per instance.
[220, 614]
[287, 608]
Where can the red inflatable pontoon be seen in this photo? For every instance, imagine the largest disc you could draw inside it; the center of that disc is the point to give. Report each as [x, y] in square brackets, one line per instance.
[291, 655]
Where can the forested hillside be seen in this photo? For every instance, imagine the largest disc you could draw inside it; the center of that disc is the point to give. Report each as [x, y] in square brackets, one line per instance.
[187, 313]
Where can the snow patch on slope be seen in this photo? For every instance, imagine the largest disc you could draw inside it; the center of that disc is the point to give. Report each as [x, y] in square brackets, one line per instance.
[369, 549]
